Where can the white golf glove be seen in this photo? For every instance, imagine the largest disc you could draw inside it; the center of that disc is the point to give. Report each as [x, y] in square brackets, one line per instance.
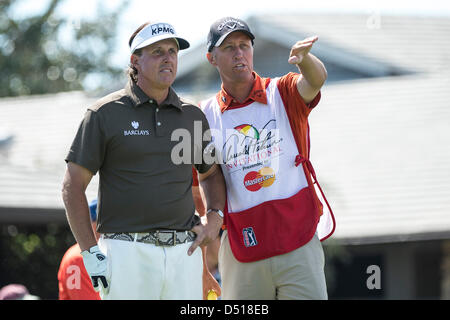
[96, 264]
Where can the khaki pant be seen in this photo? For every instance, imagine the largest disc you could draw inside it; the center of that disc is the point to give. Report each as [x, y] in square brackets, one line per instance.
[296, 275]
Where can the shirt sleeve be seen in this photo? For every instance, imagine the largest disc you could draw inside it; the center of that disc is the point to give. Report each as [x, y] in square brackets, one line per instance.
[195, 182]
[287, 86]
[88, 147]
[297, 110]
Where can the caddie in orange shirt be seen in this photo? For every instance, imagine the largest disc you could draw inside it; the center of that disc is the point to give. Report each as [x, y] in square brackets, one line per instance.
[274, 218]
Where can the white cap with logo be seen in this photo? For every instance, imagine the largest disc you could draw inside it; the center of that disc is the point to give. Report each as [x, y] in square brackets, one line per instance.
[155, 32]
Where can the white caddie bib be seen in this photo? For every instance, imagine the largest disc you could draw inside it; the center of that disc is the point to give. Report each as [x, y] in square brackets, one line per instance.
[258, 155]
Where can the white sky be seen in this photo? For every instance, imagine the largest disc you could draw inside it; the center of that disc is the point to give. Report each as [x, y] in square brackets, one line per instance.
[192, 19]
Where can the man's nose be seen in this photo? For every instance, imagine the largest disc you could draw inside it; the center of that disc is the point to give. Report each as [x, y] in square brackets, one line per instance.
[238, 53]
[168, 57]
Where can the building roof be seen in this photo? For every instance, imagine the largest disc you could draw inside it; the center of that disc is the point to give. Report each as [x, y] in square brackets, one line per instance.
[351, 46]
[40, 130]
[410, 43]
[380, 150]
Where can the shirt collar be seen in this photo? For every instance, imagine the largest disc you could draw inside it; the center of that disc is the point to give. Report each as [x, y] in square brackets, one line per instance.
[139, 97]
[257, 94]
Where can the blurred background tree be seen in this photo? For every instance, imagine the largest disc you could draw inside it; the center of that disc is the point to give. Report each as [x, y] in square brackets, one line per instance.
[30, 255]
[48, 53]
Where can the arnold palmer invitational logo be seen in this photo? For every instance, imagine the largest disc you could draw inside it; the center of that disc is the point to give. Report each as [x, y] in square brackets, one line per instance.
[246, 147]
[255, 180]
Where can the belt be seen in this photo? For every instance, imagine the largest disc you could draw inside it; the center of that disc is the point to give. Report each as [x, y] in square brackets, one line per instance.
[158, 237]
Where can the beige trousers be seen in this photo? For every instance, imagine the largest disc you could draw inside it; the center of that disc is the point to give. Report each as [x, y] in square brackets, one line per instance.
[296, 275]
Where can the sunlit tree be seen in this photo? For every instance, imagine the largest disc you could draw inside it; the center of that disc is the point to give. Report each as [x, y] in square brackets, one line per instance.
[48, 53]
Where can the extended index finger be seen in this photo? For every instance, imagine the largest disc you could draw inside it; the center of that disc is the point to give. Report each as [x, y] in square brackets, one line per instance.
[198, 240]
[311, 39]
[305, 43]
[194, 246]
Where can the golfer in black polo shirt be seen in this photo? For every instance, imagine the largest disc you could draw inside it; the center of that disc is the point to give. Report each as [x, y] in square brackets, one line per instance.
[146, 214]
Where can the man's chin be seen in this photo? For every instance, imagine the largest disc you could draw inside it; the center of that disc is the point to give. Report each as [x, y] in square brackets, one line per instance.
[167, 80]
[243, 76]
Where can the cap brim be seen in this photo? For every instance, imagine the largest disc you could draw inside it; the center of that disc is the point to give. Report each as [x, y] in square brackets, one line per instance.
[183, 44]
[224, 36]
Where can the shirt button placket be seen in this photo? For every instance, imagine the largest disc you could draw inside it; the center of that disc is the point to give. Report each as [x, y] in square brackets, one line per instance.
[159, 131]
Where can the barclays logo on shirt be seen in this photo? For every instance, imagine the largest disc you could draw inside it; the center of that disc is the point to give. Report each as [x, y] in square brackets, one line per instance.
[136, 132]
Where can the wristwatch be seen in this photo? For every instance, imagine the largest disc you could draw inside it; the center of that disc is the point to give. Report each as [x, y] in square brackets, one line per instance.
[219, 212]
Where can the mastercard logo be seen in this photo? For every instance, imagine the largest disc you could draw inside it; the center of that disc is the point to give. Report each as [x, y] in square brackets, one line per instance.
[255, 180]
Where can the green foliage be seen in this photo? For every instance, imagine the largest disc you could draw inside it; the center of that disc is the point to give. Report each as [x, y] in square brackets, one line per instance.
[30, 255]
[48, 53]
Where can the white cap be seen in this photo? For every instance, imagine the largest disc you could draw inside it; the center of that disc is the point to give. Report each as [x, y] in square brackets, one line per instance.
[155, 32]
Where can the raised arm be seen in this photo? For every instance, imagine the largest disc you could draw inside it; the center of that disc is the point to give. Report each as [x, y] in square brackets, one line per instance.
[313, 72]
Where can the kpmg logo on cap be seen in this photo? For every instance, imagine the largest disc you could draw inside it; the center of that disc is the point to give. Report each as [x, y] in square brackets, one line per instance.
[162, 28]
[230, 24]
[155, 32]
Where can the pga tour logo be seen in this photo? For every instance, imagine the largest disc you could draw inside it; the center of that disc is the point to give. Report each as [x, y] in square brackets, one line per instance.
[249, 237]
[136, 132]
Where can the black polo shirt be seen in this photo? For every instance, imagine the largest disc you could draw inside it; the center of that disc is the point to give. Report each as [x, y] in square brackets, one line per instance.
[127, 137]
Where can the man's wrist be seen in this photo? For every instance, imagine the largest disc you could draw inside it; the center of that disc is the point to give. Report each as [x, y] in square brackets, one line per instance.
[305, 61]
[218, 211]
[91, 249]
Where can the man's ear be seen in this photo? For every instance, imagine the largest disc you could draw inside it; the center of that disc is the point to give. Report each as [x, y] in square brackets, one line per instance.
[211, 58]
[134, 60]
